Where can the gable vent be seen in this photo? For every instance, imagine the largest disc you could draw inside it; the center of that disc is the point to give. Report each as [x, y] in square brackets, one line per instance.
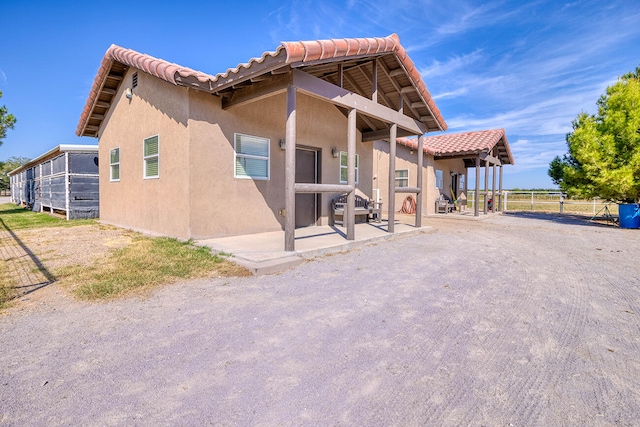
[134, 80]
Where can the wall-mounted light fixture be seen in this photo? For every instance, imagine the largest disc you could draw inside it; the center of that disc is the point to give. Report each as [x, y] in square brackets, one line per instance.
[335, 153]
[283, 144]
[129, 93]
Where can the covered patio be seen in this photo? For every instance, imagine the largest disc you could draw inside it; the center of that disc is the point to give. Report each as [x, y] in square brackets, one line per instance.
[263, 254]
[488, 149]
[372, 81]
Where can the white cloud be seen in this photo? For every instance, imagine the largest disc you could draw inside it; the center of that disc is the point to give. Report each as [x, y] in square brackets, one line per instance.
[453, 64]
[454, 93]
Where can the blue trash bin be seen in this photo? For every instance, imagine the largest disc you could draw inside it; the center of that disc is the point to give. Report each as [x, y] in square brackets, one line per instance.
[629, 215]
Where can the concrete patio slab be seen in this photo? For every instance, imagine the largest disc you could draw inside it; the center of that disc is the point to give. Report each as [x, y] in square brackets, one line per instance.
[264, 253]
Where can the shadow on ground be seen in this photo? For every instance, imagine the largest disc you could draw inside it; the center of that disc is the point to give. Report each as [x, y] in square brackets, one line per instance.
[569, 219]
[28, 273]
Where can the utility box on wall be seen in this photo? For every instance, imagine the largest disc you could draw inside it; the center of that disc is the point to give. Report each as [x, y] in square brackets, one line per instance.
[63, 180]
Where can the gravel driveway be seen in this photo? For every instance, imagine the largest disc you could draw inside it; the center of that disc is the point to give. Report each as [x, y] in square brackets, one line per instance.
[515, 320]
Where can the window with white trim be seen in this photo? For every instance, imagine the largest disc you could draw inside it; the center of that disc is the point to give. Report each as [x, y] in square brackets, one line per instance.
[151, 157]
[114, 162]
[402, 178]
[461, 180]
[439, 182]
[343, 167]
[251, 157]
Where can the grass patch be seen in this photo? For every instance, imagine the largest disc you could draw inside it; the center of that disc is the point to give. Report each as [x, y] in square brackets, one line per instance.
[143, 264]
[7, 292]
[140, 265]
[17, 218]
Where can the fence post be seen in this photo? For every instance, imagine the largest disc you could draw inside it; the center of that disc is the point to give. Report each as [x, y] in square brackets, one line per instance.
[561, 203]
[506, 195]
[532, 201]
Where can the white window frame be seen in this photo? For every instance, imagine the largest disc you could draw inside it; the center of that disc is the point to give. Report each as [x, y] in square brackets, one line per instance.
[112, 164]
[439, 179]
[237, 155]
[402, 178]
[461, 179]
[145, 158]
[346, 166]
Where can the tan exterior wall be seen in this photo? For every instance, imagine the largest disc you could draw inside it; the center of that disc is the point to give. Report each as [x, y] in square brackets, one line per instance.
[448, 166]
[407, 159]
[196, 195]
[152, 205]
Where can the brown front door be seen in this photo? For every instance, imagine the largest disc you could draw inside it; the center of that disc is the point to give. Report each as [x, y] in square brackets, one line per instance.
[306, 172]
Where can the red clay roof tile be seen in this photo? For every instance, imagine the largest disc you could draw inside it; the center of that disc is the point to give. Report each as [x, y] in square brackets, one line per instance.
[301, 51]
[461, 143]
[413, 144]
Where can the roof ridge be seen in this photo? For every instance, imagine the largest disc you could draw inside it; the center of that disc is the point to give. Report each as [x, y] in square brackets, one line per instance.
[301, 51]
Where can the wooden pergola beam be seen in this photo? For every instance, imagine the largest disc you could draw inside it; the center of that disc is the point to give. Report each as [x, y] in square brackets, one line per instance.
[490, 159]
[257, 91]
[319, 88]
[323, 188]
[355, 85]
[377, 135]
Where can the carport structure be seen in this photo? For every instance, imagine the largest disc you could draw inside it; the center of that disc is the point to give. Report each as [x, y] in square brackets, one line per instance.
[371, 80]
[486, 148]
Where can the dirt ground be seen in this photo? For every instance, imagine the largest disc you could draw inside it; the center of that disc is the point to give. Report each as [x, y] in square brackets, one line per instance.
[34, 256]
[519, 319]
[60, 247]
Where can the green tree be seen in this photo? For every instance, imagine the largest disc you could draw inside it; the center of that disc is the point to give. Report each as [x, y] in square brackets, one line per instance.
[7, 121]
[7, 166]
[603, 158]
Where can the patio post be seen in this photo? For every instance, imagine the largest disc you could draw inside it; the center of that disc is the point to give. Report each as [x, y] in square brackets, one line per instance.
[290, 172]
[419, 177]
[500, 189]
[486, 187]
[476, 202]
[392, 178]
[493, 189]
[351, 174]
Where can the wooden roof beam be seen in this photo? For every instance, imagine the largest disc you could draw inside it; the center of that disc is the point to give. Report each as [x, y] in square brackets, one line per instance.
[322, 89]
[257, 91]
[391, 75]
[353, 83]
[381, 93]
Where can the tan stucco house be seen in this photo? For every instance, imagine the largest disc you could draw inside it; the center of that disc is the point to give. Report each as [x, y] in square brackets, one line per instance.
[261, 147]
[446, 163]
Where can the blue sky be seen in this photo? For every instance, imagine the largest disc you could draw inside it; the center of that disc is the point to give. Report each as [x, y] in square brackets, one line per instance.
[528, 67]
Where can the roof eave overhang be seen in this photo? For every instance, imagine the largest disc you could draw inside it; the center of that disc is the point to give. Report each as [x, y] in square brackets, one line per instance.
[289, 55]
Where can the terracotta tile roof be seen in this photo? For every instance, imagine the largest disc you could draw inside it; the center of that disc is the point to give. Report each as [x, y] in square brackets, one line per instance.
[341, 48]
[413, 144]
[456, 144]
[286, 53]
[159, 68]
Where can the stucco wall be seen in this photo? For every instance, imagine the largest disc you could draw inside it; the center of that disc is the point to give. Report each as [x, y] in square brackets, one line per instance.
[448, 166]
[222, 205]
[197, 195]
[406, 159]
[153, 205]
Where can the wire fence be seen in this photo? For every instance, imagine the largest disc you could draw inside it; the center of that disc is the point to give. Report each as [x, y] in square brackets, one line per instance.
[546, 201]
